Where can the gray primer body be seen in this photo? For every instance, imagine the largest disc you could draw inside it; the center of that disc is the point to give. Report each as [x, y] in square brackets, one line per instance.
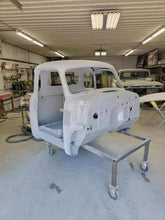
[70, 120]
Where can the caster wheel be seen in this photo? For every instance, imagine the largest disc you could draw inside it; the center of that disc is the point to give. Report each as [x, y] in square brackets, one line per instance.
[114, 193]
[50, 149]
[144, 166]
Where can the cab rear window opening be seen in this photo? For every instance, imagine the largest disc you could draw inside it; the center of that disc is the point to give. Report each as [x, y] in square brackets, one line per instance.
[72, 78]
[82, 78]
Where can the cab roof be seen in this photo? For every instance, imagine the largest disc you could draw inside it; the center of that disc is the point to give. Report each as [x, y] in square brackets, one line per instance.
[65, 65]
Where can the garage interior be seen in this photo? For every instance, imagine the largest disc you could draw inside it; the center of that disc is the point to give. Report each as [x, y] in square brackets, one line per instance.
[37, 184]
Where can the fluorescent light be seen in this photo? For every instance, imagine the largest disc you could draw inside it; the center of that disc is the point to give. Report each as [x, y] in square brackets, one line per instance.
[93, 21]
[103, 53]
[97, 53]
[59, 54]
[100, 53]
[154, 35]
[147, 40]
[29, 38]
[97, 21]
[112, 20]
[111, 23]
[158, 32]
[129, 52]
[116, 20]
[38, 43]
[24, 36]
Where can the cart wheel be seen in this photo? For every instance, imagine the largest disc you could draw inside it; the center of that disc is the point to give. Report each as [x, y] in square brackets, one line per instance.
[50, 149]
[114, 193]
[144, 166]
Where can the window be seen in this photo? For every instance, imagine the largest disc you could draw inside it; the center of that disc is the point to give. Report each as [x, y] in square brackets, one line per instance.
[79, 80]
[72, 78]
[134, 74]
[39, 83]
[54, 79]
[104, 78]
[88, 80]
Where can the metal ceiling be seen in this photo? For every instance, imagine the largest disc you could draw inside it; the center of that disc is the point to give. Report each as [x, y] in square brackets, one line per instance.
[65, 26]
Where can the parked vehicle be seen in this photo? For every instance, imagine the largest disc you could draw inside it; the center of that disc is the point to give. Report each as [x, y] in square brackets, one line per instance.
[139, 81]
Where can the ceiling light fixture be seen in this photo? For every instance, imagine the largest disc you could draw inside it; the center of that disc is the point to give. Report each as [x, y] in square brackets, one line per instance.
[97, 21]
[129, 52]
[103, 53]
[112, 20]
[24, 36]
[154, 35]
[147, 40]
[38, 43]
[59, 54]
[97, 53]
[29, 38]
[100, 53]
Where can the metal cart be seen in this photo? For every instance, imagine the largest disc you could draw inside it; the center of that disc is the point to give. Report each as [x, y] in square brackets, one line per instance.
[113, 187]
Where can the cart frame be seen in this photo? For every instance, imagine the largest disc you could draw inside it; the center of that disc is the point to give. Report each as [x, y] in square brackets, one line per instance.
[113, 187]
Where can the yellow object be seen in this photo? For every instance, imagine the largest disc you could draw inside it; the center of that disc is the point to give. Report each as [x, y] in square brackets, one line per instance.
[154, 105]
[28, 125]
[25, 102]
[106, 80]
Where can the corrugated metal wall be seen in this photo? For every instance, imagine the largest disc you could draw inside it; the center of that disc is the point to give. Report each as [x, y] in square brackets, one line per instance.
[9, 51]
[12, 52]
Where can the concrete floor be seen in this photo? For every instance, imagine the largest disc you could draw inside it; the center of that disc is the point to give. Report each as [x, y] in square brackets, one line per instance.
[35, 186]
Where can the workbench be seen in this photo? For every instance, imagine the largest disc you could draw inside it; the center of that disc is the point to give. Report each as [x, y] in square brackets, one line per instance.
[4, 95]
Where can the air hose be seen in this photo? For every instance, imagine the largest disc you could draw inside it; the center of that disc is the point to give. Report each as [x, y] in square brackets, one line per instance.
[9, 139]
[25, 132]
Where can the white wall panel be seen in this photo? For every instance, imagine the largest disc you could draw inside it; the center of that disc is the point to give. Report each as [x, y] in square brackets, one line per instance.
[36, 58]
[9, 51]
[12, 52]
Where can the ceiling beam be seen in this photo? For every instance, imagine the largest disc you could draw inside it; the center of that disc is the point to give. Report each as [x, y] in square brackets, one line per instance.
[17, 4]
[6, 30]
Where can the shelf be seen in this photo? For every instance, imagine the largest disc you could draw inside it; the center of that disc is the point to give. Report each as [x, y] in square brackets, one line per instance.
[11, 78]
[156, 66]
